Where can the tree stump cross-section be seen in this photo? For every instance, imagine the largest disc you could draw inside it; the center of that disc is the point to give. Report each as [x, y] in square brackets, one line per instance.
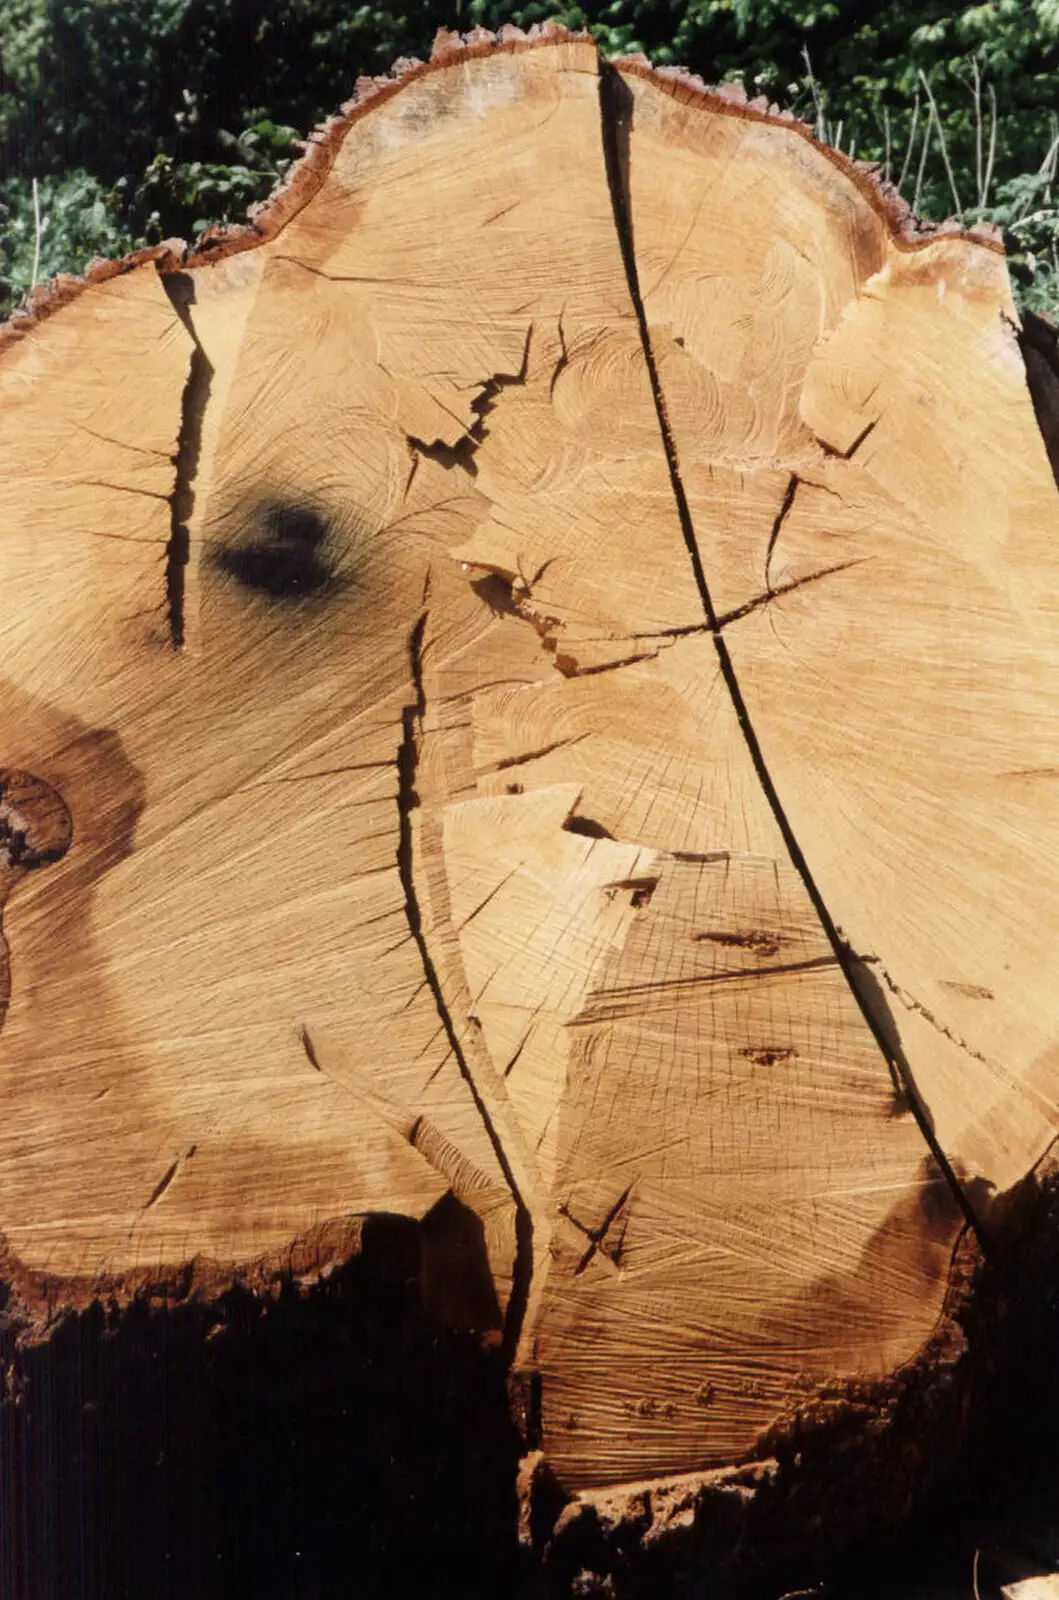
[527, 687]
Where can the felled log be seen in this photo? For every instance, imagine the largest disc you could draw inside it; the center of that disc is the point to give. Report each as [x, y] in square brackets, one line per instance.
[528, 704]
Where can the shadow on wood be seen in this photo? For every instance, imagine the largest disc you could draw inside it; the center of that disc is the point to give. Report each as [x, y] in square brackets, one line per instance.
[332, 1442]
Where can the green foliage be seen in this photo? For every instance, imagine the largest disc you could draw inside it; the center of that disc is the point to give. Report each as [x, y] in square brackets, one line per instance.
[183, 198]
[1025, 208]
[79, 220]
[87, 83]
[148, 118]
[192, 194]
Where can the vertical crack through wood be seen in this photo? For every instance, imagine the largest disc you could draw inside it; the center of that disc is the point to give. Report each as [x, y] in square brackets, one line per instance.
[616, 101]
[407, 802]
[1039, 347]
[181, 292]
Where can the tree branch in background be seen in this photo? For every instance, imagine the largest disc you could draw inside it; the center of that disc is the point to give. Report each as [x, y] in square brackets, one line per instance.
[911, 143]
[941, 142]
[36, 238]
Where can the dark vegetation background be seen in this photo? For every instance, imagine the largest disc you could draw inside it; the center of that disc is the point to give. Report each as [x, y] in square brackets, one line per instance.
[137, 120]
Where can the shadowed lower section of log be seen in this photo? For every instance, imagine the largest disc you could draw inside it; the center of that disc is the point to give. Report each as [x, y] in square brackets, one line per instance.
[330, 1434]
[905, 1493]
[324, 1438]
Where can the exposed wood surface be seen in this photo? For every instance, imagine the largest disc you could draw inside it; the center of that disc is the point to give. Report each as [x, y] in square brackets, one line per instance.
[891, 590]
[1042, 1588]
[534, 683]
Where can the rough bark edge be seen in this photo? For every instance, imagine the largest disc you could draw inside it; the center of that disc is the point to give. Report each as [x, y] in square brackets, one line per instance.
[643, 1534]
[37, 1300]
[300, 184]
[834, 1487]
[805, 1481]
[907, 231]
[47, 298]
[307, 175]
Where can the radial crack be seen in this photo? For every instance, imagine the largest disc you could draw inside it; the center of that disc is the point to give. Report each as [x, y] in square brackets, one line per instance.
[910, 1002]
[570, 668]
[597, 1237]
[168, 1176]
[462, 453]
[851, 449]
[1040, 357]
[698, 980]
[534, 755]
[616, 116]
[771, 594]
[781, 516]
[407, 803]
[181, 291]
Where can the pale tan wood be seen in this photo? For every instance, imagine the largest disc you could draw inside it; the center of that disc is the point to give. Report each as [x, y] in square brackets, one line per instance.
[893, 612]
[418, 845]
[650, 1078]
[210, 1031]
[610, 711]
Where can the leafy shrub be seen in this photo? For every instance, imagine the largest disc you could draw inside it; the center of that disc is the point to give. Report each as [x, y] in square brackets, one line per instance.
[79, 220]
[190, 195]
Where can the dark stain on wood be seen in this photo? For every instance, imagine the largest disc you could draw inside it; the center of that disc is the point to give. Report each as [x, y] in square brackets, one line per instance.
[286, 558]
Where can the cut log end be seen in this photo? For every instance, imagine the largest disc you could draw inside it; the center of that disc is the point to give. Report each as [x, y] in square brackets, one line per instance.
[530, 674]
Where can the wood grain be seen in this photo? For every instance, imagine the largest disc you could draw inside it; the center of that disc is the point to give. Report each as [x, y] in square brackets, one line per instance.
[529, 675]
